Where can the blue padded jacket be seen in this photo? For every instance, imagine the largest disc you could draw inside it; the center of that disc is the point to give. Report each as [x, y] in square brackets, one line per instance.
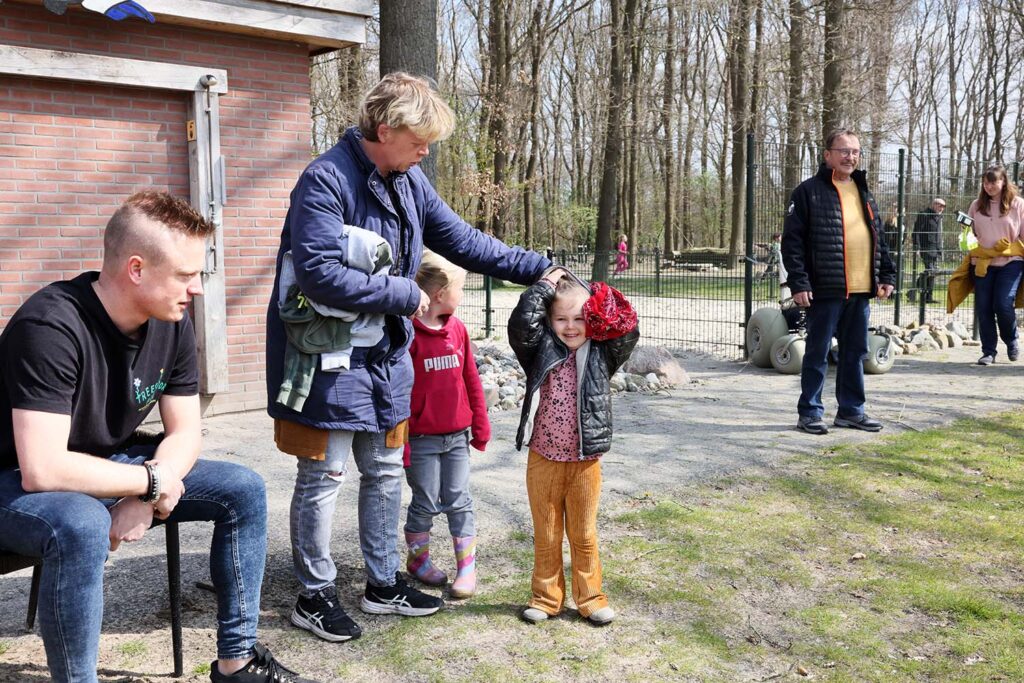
[343, 186]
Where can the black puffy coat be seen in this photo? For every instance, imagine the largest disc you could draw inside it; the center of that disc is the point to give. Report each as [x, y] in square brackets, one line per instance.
[927, 235]
[813, 239]
[539, 351]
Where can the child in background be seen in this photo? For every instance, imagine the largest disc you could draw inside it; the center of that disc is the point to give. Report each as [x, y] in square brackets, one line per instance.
[569, 346]
[447, 401]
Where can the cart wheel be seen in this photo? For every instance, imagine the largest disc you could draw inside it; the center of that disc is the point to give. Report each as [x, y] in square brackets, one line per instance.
[764, 327]
[787, 353]
[881, 355]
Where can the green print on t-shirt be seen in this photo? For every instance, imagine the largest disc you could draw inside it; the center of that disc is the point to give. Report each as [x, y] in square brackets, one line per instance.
[146, 396]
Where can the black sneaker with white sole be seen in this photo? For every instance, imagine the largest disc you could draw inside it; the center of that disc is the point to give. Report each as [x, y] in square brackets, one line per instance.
[263, 668]
[399, 599]
[322, 615]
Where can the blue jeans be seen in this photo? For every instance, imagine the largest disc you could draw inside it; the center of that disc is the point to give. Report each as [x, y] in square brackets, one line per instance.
[847, 321]
[380, 502]
[70, 532]
[438, 474]
[993, 298]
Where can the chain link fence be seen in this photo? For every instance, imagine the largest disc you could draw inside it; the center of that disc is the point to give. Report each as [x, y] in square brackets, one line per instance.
[694, 300]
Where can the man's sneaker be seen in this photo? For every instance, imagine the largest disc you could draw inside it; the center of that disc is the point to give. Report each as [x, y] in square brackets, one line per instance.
[862, 422]
[987, 359]
[1013, 353]
[399, 599]
[262, 669]
[812, 425]
[322, 615]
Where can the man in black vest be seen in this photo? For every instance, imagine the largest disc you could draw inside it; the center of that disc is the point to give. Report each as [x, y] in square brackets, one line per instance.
[836, 261]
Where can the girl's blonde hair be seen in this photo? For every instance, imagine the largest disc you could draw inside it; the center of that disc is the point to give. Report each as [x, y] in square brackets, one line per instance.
[1009, 193]
[568, 286]
[401, 100]
[436, 272]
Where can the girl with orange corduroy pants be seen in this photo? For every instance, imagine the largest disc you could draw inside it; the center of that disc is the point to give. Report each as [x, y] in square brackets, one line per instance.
[570, 339]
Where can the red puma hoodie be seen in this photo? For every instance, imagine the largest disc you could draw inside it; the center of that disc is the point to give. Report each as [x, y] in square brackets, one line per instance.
[446, 394]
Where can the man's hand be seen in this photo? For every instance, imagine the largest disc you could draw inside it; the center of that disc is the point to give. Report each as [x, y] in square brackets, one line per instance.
[803, 299]
[171, 491]
[884, 291]
[424, 305]
[129, 520]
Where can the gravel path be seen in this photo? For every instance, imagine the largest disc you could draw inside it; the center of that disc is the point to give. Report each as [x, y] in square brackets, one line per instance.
[731, 415]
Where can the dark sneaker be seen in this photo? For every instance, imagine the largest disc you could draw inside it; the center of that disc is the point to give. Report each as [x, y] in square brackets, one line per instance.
[862, 422]
[1013, 353]
[812, 425]
[399, 599]
[262, 669]
[987, 359]
[322, 615]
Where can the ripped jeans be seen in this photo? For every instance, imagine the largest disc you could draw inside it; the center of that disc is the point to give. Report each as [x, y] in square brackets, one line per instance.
[380, 501]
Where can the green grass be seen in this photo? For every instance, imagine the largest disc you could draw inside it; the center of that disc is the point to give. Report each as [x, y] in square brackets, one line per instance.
[899, 559]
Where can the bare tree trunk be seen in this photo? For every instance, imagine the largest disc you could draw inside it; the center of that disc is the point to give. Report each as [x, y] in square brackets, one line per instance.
[668, 156]
[621, 30]
[794, 98]
[408, 30]
[832, 113]
[739, 53]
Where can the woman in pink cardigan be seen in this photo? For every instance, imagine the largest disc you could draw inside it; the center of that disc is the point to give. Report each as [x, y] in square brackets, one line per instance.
[998, 213]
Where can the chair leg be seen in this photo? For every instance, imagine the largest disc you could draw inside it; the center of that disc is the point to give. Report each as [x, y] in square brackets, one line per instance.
[33, 596]
[174, 590]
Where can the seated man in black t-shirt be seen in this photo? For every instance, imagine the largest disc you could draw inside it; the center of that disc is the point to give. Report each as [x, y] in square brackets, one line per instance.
[82, 363]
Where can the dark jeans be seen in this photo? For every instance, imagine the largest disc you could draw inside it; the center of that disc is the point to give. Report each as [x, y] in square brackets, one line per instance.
[70, 532]
[926, 279]
[993, 299]
[847, 321]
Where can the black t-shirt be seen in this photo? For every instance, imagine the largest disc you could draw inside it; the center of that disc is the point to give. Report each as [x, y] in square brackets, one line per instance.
[61, 353]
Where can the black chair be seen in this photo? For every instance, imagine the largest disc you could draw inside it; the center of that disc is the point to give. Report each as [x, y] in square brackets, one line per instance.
[12, 562]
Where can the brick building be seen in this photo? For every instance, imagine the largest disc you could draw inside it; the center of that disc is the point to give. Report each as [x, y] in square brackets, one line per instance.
[211, 102]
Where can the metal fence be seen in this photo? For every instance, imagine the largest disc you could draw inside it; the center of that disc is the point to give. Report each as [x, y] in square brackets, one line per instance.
[693, 300]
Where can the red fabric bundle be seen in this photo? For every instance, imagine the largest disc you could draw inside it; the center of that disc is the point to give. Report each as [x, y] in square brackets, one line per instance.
[607, 313]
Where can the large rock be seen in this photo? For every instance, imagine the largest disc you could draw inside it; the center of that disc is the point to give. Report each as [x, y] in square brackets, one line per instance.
[958, 328]
[648, 359]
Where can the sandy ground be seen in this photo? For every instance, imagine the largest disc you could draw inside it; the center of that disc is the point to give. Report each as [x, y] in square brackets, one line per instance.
[730, 416]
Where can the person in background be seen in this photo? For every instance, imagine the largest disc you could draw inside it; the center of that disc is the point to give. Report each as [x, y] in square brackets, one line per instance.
[998, 213]
[621, 256]
[836, 261]
[927, 238]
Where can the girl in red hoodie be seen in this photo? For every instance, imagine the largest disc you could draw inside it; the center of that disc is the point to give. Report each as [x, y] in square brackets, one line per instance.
[447, 404]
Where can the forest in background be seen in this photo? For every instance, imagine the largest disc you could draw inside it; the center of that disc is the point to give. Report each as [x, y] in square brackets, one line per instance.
[582, 119]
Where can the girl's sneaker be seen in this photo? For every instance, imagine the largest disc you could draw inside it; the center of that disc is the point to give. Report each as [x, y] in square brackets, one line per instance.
[602, 617]
[533, 615]
[464, 585]
[418, 562]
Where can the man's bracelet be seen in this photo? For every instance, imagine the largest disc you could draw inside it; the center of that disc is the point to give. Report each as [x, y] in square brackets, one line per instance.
[153, 492]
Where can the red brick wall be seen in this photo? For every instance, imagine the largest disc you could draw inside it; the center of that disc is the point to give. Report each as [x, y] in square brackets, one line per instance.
[71, 152]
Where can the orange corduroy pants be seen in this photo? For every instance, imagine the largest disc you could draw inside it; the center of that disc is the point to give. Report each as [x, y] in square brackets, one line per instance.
[563, 500]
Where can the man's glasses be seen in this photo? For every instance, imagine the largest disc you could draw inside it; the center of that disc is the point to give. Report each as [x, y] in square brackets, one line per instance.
[846, 152]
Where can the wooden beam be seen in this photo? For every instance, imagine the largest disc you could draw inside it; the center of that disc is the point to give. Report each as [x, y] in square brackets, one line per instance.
[361, 7]
[205, 172]
[79, 66]
[302, 24]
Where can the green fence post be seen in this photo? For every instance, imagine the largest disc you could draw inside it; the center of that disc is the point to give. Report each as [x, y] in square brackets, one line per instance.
[900, 227]
[748, 261]
[657, 272]
[488, 311]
